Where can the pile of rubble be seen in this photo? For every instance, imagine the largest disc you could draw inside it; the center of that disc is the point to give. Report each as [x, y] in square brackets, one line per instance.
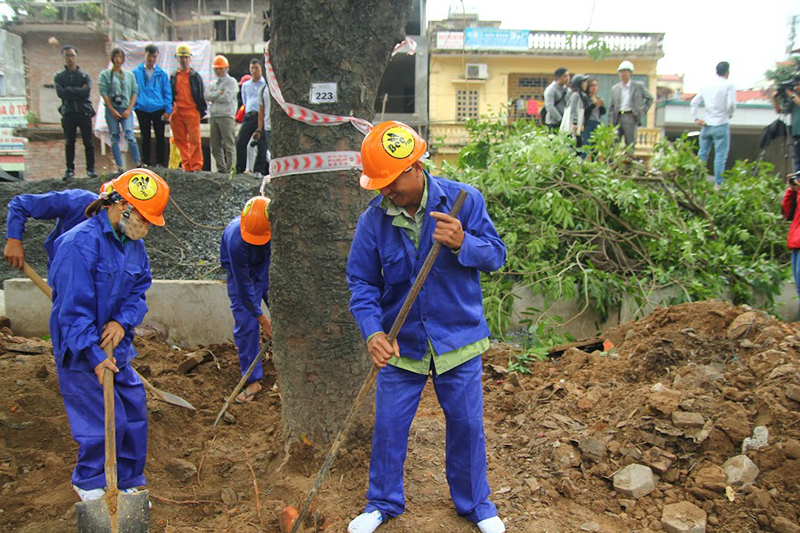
[689, 423]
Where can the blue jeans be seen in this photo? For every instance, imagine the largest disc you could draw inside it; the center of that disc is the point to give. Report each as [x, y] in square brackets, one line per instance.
[126, 125]
[721, 137]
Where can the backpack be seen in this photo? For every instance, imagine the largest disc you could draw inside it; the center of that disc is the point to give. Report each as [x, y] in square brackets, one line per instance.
[543, 113]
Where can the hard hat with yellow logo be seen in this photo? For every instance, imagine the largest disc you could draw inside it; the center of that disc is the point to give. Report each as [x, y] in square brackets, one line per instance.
[388, 151]
[254, 223]
[220, 61]
[146, 191]
[106, 187]
[183, 50]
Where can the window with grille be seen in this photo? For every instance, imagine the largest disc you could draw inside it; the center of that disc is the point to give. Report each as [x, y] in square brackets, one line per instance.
[466, 104]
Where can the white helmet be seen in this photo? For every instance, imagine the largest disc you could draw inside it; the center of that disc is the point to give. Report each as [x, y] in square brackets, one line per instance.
[625, 65]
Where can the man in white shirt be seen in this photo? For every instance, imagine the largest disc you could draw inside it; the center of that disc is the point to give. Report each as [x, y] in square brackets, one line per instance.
[720, 101]
[250, 124]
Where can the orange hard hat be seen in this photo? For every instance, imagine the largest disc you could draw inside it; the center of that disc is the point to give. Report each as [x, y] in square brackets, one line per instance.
[388, 151]
[220, 61]
[146, 191]
[246, 77]
[106, 187]
[255, 221]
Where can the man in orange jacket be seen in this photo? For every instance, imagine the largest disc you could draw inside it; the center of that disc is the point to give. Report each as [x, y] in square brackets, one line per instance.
[189, 106]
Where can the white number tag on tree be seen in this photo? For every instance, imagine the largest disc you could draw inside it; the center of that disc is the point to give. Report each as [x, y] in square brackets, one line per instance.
[323, 93]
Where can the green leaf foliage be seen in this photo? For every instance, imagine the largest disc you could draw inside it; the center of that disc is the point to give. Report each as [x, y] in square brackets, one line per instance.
[597, 229]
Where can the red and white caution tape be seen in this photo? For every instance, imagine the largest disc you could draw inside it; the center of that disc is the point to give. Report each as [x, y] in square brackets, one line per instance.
[407, 46]
[303, 114]
[321, 161]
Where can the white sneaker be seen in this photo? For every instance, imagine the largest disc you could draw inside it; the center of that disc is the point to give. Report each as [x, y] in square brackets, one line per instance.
[88, 495]
[492, 525]
[366, 522]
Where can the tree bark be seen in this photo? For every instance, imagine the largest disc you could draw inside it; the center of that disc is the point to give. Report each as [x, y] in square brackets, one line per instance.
[320, 356]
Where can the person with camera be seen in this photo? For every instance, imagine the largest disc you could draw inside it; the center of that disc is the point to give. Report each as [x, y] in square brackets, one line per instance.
[153, 105]
[119, 91]
[789, 207]
[789, 102]
[250, 124]
[555, 99]
[73, 87]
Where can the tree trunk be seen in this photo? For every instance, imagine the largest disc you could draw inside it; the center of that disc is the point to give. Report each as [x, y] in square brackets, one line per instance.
[320, 356]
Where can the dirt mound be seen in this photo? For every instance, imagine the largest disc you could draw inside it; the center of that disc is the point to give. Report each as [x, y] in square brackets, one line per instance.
[680, 392]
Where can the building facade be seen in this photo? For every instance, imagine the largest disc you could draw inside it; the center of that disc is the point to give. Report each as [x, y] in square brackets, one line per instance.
[478, 69]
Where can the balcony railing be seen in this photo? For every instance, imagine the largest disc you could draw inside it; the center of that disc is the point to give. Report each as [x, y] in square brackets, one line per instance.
[617, 44]
[450, 138]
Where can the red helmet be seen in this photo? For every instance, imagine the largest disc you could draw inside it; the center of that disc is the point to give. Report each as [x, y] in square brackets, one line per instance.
[254, 223]
[387, 151]
[146, 191]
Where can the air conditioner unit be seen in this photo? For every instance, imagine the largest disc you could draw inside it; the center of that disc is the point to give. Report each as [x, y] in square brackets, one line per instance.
[476, 71]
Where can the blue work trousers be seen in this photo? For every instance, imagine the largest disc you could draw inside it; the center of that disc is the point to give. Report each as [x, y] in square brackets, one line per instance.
[83, 400]
[246, 335]
[461, 396]
[720, 137]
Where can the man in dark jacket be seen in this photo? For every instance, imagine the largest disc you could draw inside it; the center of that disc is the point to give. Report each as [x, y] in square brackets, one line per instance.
[73, 87]
[189, 106]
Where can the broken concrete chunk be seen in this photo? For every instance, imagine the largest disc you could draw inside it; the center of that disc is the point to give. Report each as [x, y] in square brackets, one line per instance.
[565, 456]
[783, 525]
[664, 401]
[634, 481]
[757, 441]
[181, 469]
[793, 392]
[682, 419]
[740, 470]
[711, 477]
[658, 459]
[683, 517]
[592, 448]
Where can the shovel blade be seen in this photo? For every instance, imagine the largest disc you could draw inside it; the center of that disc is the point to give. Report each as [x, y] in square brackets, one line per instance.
[173, 399]
[132, 516]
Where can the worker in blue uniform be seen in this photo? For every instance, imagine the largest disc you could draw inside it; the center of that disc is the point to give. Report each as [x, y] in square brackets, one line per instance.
[66, 207]
[445, 332]
[99, 276]
[244, 254]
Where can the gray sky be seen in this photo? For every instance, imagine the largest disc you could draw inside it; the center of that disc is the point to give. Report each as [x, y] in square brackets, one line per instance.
[752, 36]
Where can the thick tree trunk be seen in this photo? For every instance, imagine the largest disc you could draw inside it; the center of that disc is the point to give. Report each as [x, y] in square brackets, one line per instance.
[320, 356]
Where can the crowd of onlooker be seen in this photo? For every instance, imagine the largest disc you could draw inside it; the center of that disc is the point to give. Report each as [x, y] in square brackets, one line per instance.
[179, 99]
[572, 105]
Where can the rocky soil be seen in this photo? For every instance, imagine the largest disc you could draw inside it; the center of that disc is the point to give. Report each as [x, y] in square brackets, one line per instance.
[677, 395]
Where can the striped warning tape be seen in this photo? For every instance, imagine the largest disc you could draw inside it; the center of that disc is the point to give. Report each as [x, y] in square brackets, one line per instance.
[321, 161]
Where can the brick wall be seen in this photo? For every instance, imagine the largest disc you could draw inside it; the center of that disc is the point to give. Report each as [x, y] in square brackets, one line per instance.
[43, 61]
[45, 159]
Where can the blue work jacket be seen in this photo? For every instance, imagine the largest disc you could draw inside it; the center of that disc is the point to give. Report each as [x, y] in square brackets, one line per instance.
[247, 265]
[154, 93]
[66, 206]
[96, 279]
[383, 264]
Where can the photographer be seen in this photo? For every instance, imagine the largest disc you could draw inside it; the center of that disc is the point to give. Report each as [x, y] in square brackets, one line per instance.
[789, 102]
[789, 207]
[119, 91]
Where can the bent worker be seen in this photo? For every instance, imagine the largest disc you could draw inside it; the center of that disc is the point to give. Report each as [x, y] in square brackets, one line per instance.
[66, 207]
[244, 254]
[445, 332]
[99, 276]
